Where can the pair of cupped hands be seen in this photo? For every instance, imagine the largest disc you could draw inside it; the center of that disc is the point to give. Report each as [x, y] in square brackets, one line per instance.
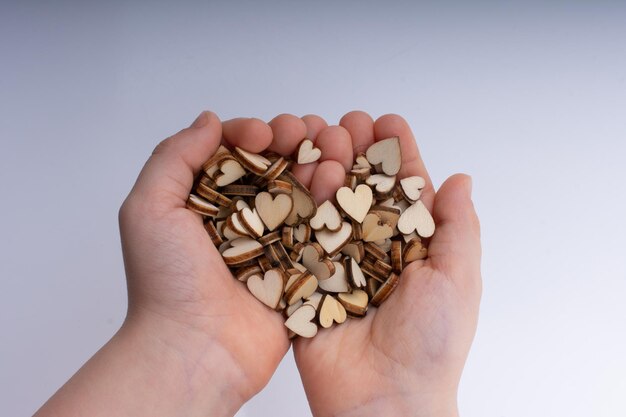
[196, 343]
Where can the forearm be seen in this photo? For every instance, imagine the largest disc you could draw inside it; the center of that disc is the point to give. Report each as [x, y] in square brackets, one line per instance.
[139, 373]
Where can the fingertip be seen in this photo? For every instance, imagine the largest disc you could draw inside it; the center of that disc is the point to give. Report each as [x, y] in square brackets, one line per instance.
[361, 128]
[314, 125]
[336, 144]
[251, 134]
[288, 131]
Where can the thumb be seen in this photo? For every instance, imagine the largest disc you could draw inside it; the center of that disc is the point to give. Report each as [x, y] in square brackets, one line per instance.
[167, 177]
[455, 247]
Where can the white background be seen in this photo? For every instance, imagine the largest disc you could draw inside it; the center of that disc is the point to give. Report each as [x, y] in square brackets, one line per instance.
[529, 99]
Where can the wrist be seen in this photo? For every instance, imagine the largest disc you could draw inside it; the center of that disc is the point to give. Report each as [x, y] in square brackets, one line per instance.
[185, 364]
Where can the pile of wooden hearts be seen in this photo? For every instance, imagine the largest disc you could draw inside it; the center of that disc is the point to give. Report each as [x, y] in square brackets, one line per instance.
[318, 265]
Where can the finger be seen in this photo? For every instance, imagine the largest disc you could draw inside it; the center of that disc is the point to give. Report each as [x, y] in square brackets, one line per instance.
[455, 247]
[314, 125]
[393, 125]
[253, 135]
[288, 131]
[336, 145]
[361, 128]
[328, 178]
[167, 176]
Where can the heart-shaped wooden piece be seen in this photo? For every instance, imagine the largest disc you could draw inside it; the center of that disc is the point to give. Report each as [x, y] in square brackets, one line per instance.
[414, 251]
[387, 153]
[230, 171]
[273, 211]
[304, 206]
[354, 273]
[383, 183]
[300, 321]
[330, 310]
[355, 302]
[333, 242]
[307, 153]
[251, 221]
[267, 289]
[302, 233]
[254, 162]
[355, 203]
[374, 229]
[327, 216]
[241, 250]
[201, 206]
[418, 218]
[303, 287]
[337, 282]
[313, 259]
[412, 187]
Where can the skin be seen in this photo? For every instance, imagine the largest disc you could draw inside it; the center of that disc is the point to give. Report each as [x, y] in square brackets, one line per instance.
[196, 343]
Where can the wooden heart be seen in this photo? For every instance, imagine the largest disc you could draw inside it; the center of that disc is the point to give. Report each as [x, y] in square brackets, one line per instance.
[230, 171]
[355, 203]
[273, 211]
[387, 153]
[417, 218]
[201, 206]
[330, 310]
[412, 187]
[355, 302]
[307, 153]
[374, 229]
[252, 222]
[414, 251]
[313, 259]
[354, 273]
[304, 206]
[337, 282]
[383, 183]
[300, 321]
[327, 216]
[241, 250]
[268, 289]
[302, 233]
[332, 242]
[254, 162]
[302, 288]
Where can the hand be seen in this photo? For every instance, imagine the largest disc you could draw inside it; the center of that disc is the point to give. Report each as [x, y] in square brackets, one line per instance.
[406, 357]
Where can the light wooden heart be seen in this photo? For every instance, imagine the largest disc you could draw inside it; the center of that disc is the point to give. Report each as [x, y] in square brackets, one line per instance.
[330, 310]
[383, 183]
[307, 153]
[386, 152]
[273, 211]
[354, 273]
[302, 288]
[231, 171]
[338, 282]
[361, 162]
[252, 222]
[332, 242]
[414, 251]
[313, 259]
[355, 203]
[201, 206]
[355, 302]
[412, 187]
[302, 233]
[241, 250]
[418, 218]
[267, 289]
[354, 250]
[314, 300]
[300, 321]
[254, 162]
[374, 229]
[327, 216]
[304, 206]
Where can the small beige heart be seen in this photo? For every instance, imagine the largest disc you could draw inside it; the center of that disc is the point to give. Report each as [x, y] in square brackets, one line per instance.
[374, 229]
[303, 287]
[251, 221]
[300, 321]
[412, 187]
[355, 302]
[334, 241]
[331, 310]
[355, 203]
[307, 153]
[268, 289]
[302, 233]
[231, 171]
[327, 216]
[254, 162]
[313, 259]
[387, 153]
[383, 183]
[417, 218]
[337, 282]
[241, 250]
[354, 273]
[273, 211]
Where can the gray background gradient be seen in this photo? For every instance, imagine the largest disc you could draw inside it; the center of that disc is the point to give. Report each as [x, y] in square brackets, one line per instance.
[527, 97]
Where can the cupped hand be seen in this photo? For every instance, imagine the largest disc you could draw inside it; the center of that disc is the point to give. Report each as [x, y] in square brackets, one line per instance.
[179, 287]
[406, 357]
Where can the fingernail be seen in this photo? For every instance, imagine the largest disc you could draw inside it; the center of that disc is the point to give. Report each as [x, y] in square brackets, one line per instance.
[201, 120]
